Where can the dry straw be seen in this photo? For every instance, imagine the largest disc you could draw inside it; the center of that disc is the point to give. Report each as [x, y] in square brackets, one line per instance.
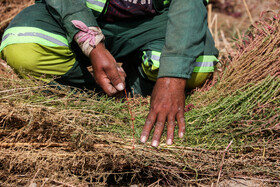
[53, 137]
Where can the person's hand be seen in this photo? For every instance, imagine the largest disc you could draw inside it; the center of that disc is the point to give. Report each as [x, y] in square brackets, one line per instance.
[107, 74]
[167, 105]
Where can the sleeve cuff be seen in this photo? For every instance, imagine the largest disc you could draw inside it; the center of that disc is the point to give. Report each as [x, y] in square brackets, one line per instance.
[181, 67]
[81, 16]
[88, 37]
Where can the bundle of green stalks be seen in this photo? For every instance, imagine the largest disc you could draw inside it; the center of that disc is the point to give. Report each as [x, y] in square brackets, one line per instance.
[66, 137]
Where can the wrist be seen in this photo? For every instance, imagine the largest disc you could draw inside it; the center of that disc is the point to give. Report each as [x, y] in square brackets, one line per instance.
[97, 51]
[88, 37]
[172, 82]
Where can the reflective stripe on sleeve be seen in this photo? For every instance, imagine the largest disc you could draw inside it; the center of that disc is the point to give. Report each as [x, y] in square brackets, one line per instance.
[150, 64]
[166, 2]
[205, 63]
[96, 5]
[151, 59]
[32, 35]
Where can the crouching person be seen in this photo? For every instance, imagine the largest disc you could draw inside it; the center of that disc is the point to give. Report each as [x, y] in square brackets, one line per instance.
[165, 46]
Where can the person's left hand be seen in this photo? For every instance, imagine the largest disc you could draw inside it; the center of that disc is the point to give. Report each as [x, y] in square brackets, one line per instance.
[167, 105]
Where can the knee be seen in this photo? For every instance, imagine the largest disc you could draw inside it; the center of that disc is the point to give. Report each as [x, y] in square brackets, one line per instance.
[21, 57]
[204, 68]
[197, 79]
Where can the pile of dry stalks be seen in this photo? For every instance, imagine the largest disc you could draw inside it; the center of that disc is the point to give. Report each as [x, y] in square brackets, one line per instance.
[255, 57]
[50, 145]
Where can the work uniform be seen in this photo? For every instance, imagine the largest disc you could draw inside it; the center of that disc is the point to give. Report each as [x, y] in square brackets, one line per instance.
[153, 38]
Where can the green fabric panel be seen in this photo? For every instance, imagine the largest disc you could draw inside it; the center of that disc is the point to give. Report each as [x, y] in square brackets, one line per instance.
[186, 38]
[38, 16]
[38, 61]
[66, 11]
[128, 36]
[13, 37]
[207, 58]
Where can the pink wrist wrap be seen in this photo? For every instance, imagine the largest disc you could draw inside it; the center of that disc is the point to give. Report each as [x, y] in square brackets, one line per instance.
[88, 37]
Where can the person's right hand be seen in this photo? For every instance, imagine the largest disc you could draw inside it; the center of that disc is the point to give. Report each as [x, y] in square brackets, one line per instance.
[106, 72]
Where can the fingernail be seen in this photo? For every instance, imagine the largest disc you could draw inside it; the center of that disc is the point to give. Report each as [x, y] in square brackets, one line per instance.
[143, 139]
[169, 142]
[120, 69]
[181, 134]
[155, 143]
[120, 87]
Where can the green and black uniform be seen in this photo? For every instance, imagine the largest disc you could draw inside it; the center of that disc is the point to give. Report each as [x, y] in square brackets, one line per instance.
[170, 40]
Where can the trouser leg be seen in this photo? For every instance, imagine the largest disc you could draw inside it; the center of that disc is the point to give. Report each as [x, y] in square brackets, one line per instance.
[58, 64]
[138, 44]
[35, 45]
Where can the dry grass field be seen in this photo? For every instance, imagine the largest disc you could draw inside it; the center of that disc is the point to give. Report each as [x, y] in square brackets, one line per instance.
[64, 137]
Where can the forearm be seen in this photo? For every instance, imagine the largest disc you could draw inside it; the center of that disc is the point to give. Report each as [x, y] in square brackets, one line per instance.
[186, 30]
[64, 12]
